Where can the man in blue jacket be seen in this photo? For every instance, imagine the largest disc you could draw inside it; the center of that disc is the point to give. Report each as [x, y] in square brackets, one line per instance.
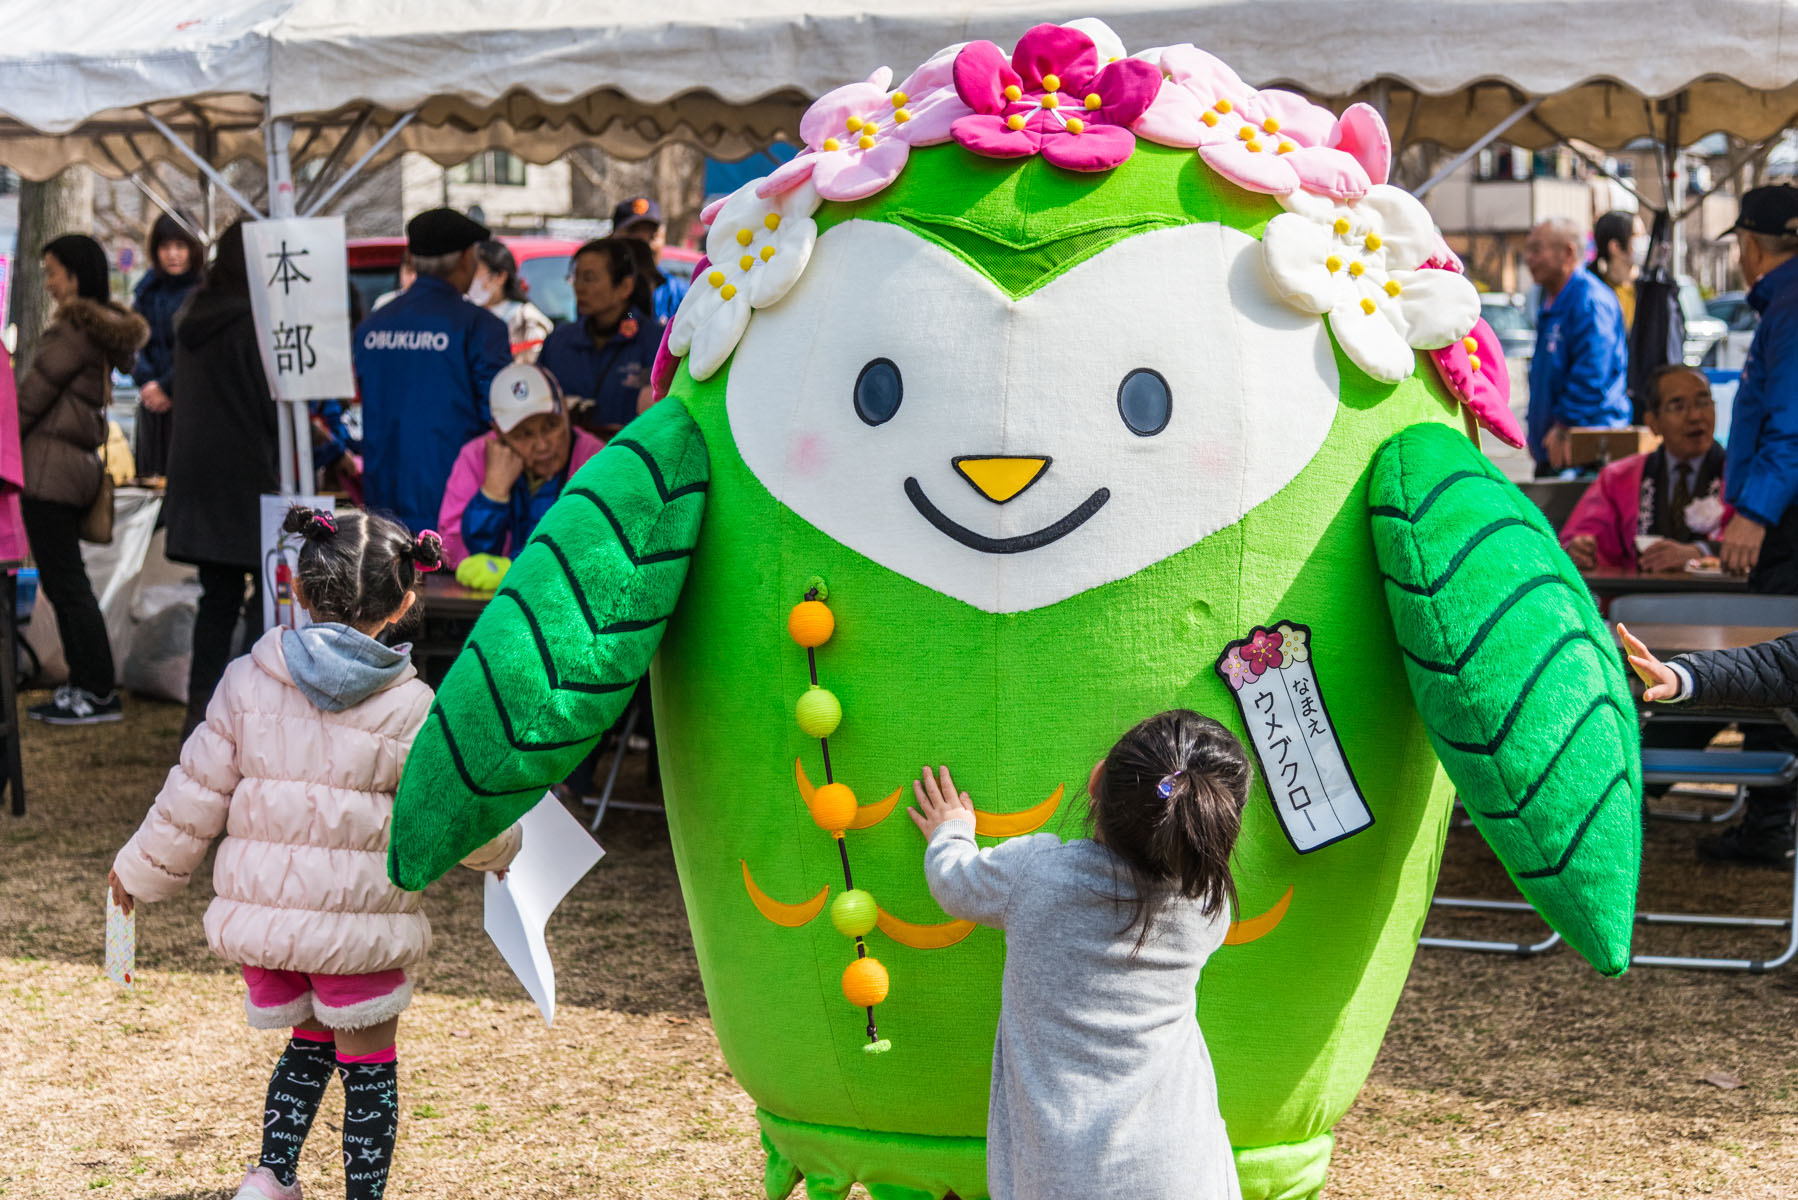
[1761, 467]
[1577, 377]
[423, 366]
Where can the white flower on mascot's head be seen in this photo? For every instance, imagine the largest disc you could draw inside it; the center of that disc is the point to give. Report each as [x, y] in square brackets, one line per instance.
[1361, 263]
[755, 251]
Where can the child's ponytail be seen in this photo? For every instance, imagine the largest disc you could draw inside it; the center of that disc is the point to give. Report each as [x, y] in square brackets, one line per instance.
[1169, 804]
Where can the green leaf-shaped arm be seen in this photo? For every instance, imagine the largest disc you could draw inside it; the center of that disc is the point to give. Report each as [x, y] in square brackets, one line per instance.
[555, 656]
[1519, 684]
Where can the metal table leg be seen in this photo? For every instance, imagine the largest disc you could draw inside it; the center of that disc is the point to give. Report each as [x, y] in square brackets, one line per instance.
[1520, 949]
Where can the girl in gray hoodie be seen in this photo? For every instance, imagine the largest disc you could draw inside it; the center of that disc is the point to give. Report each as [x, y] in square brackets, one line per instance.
[1101, 1078]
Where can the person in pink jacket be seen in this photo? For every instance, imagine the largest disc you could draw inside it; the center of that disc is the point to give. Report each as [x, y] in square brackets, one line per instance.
[296, 764]
[1660, 510]
[505, 480]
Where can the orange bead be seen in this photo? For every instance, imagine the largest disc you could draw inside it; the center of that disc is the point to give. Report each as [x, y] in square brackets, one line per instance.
[865, 982]
[833, 807]
[811, 623]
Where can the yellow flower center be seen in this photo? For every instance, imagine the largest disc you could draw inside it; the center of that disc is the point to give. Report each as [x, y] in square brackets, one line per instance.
[1076, 125]
[1341, 226]
[1223, 106]
[716, 279]
[772, 221]
[1357, 270]
[1015, 121]
[1209, 117]
[1271, 125]
[1051, 83]
[744, 236]
[746, 262]
[1371, 241]
[902, 115]
[1392, 288]
[899, 99]
[1473, 361]
[832, 144]
[729, 290]
[1051, 101]
[1092, 101]
[853, 124]
[1286, 147]
[1254, 146]
[1367, 306]
[767, 253]
[865, 142]
[1332, 264]
[1013, 92]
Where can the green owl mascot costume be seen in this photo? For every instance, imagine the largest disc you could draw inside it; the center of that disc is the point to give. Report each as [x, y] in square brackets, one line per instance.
[1039, 394]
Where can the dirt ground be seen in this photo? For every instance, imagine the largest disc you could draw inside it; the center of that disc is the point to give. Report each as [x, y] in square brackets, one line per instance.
[1500, 1077]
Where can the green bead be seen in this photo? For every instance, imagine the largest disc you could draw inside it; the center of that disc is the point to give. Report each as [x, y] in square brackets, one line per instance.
[818, 713]
[853, 913]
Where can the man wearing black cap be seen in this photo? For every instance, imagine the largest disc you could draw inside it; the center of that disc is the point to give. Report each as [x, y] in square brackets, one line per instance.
[423, 365]
[1761, 469]
[641, 218]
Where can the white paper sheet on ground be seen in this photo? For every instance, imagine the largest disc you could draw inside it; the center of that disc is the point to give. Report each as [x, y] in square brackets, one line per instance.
[557, 853]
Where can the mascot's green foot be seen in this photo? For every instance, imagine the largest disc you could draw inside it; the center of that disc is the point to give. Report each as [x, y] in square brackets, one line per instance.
[892, 1166]
[828, 1159]
[1291, 1171]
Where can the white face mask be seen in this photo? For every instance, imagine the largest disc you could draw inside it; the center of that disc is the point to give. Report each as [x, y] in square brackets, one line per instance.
[1638, 251]
[481, 292]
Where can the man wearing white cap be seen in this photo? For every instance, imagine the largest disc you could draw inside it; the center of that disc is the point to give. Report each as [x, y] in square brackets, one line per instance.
[505, 480]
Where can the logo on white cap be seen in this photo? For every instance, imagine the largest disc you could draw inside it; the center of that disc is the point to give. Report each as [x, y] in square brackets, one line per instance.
[521, 391]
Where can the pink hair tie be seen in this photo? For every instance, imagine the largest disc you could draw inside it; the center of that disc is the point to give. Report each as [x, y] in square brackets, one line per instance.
[325, 519]
[422, 544]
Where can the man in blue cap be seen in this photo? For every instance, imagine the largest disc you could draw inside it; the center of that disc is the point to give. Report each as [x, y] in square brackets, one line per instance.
[1582, 348]
[1761, 467]
[641, 218]
[423, 366]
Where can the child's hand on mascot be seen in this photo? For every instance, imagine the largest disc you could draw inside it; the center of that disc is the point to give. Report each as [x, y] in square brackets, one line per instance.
[938, 802]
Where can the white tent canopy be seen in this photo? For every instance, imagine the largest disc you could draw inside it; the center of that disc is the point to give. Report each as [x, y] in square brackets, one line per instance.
[539, 76]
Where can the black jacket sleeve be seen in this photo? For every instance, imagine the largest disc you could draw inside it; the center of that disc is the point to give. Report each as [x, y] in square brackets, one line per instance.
[1759, 676]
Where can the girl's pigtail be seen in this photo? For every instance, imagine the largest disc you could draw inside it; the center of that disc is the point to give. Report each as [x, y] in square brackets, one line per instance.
[310, 523]
[427, 551]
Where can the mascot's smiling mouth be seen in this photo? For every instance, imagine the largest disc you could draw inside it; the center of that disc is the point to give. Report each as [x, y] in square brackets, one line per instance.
[1011, 545]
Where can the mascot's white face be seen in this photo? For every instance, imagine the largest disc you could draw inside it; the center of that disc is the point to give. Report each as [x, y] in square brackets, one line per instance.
[1014, 453]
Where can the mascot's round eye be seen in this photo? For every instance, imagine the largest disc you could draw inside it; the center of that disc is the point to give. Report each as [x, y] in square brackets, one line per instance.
[878, 391]
[1144, 402]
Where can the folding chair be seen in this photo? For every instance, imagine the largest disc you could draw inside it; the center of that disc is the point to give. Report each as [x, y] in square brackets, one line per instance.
[603, 802]
[1739, 770]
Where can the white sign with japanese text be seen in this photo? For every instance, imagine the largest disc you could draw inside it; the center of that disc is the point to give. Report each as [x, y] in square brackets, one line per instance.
[1314, 792]
[300, 295]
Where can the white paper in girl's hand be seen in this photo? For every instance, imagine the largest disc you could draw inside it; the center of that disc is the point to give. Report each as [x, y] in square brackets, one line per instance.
[121, 943]
[557, 852]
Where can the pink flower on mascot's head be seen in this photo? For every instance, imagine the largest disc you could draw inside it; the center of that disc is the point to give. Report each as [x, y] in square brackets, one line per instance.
[1052, 97]
[1474, 371]
[1263, 652]
[858, 137]
[1266, 141]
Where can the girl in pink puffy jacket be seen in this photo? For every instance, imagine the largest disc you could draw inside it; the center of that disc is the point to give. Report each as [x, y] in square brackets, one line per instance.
[296, 764]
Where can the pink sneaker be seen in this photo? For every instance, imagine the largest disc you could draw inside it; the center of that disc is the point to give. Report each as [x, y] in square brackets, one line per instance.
[259, 1183]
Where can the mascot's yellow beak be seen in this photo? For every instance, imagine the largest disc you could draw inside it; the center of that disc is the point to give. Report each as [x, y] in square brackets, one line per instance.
[1000, 479]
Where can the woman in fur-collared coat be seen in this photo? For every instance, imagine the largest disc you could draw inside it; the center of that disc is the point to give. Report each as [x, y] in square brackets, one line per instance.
[62, 424]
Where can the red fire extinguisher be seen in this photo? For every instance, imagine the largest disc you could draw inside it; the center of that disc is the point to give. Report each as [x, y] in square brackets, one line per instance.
[283, 585]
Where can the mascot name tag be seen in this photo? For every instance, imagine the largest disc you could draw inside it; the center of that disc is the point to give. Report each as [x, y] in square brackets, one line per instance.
[1308, 777]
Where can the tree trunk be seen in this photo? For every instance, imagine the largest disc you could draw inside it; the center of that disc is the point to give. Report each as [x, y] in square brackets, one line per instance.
[47, 210]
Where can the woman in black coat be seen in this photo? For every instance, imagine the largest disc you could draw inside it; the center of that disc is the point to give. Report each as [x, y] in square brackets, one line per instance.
[175, 266]
[222, 456]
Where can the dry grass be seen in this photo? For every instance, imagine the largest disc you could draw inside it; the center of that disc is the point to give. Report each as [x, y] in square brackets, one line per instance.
[1500, 1078]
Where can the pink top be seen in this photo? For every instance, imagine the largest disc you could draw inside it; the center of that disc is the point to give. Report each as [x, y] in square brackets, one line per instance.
[12, 465]
[465, 480]
[1610, 512]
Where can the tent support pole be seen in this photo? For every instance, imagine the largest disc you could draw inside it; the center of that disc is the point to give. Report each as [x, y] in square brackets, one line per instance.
[331, 193]
[295, 419]
[334, 161]
[1727, 174]
[1597, 164]
[205, 168]
[1491, 135]
[168, 208]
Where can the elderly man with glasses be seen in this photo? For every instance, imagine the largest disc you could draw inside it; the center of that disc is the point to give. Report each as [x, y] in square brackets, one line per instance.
[1660, 510]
